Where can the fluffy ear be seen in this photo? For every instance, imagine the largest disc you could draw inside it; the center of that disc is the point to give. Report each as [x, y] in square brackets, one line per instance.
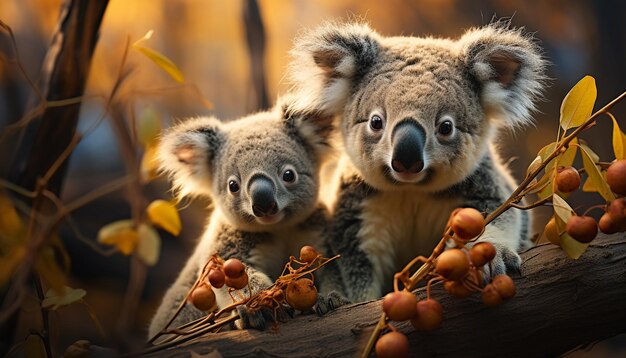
[509, 67]
[313, 126]
[327, 61]
[187, 152]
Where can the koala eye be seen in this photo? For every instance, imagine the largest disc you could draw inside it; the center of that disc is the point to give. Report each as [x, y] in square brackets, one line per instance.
[289, 175]
[376, 123]
[445, 128]
[233, 185]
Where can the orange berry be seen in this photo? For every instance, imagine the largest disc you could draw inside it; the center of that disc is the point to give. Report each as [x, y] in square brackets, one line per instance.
[457, 289]
[429, 315]
[392, 344]
[617, 211]
[616, 177]
[567, 179]
[490, 296]
[482, 253]
[552, 232]
[216, 278]
[400, 306]
[582, 228]
[308, 254]
[467, 223]
[233, 268]
[452, 264]
[237, 283]
[202, 297]
[607, 225]
[504, 286]
[301, 294]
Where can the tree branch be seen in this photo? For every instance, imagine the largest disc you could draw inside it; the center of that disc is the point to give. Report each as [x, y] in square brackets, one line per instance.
[560, 304]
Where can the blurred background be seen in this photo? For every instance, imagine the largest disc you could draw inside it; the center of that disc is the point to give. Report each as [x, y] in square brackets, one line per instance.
[217, 48]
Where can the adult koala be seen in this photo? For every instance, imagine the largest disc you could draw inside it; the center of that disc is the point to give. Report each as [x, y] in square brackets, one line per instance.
[419, 117]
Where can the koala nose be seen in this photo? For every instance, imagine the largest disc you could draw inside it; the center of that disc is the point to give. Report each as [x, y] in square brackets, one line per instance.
[262, 193]
[408, 147]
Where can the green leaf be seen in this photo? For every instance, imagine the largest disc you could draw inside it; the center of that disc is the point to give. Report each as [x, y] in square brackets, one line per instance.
[159, 59]
[597, 180]
[149, 127]
[578, 104]
[149, 247]
[67, 296]
[619, 140]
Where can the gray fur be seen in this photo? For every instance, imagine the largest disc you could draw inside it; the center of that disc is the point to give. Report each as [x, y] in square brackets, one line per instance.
[202, 155]
[488, 79]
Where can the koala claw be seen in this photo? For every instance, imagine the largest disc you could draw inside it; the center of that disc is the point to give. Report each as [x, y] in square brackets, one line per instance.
[257, 319]
[329, 303]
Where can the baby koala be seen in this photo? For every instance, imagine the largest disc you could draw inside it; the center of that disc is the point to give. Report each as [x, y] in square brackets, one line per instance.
[262, 174]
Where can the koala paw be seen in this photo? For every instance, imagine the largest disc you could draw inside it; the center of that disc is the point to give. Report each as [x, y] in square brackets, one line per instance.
[329, 303]
[262, 318]
[506, 260]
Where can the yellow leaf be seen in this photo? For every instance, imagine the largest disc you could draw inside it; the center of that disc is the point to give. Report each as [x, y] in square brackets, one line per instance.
[619, 140]
[64, 297]
[562, 210]
[120, 234]
[159, 59]
[34, 347]
[545, 152]
[578, 104]
[566, 159]
[588, 187]
[534, 165]
[9, 262]
[149, 164]
[164, 215]
[571, 247]
[149, 246]
[11, 226]
[595, 176]
[149, 127]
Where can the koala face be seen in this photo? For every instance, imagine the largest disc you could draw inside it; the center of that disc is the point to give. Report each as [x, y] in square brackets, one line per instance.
[261, 170]
[418, 112]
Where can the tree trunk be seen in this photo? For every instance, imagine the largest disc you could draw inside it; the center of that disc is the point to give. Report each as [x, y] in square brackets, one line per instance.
[560, 304]
[255, 39]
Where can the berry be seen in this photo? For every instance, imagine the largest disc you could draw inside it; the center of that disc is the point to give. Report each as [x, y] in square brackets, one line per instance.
[400, 306]
[216, 278]
[234, 268]
[429, 315]
[202, 297]
[607, 225]
[552, 232]
[467, 223]
[392, 344]
[491, 297]
[567, 179]
[481, 253]
[301, 294]
[457, 289]
[582, 228]
[504, 286]
[237, 283]
[308, 254]
[452, 264]
[617, 211]
[616, 177]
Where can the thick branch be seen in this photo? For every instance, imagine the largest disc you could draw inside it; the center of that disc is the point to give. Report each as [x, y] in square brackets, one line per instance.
[560, 304]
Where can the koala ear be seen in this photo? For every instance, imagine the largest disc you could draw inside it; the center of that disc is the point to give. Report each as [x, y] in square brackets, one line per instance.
[187, 152]
[508, 67]
[327, 61]
[313, 126]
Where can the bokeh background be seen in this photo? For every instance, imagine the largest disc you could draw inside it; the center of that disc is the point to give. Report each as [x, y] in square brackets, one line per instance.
[207, 40]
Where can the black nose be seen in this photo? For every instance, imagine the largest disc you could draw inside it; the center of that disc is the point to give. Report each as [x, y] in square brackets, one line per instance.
[262, 193]
[408, 147]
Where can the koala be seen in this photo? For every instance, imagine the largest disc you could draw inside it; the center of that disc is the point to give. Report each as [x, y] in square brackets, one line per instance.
[419, 119]
[262, 174]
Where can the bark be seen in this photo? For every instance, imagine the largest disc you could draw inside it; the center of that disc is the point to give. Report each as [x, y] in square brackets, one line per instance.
[64, 75]
[560, 304]
[255, 39]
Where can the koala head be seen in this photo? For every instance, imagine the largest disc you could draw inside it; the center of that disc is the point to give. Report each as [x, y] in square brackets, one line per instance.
[418, 112]
[261, 170]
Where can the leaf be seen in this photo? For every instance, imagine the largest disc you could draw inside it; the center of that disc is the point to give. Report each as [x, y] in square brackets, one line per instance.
[578, 103]
[572, 248]
[149, 127]
[562, 210]
[545, 152]
[34, 347]
[11, 226]
[159, 59]
[55, 299]
[9, 262]
[534, 165]
[164, 215]
[566, 159]
[149, 246]
[149, 164]
[595, 176]
[121, 234]
[619, 140]
[562, 213]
